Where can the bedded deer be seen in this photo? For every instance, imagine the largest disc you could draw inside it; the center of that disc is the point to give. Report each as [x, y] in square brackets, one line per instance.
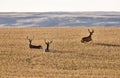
[88, 38]
[47, 44]
[33, 46]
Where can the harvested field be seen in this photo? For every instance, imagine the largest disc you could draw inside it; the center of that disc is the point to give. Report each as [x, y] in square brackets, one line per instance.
[68, 57]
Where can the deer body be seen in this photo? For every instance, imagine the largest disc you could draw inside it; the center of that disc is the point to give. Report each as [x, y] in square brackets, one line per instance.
[88, 38]
[33, 46]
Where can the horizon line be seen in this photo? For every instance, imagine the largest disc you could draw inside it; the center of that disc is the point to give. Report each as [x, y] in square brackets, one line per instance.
[52, 11]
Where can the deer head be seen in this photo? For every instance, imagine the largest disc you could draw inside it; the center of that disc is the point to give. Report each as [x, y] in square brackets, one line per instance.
[91, 32]
[30, 39]
[47, 44]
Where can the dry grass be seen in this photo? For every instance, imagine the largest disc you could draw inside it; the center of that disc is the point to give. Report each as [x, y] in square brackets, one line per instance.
[68, 58]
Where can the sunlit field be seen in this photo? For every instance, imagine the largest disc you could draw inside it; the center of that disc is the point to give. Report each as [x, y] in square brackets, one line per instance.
[68, 57]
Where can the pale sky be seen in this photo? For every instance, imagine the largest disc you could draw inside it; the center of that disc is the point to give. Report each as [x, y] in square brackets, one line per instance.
[58, 5]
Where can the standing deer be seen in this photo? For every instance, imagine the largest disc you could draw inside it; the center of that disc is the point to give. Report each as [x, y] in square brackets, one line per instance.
[47, 44]
[33, 46]
[88, 38]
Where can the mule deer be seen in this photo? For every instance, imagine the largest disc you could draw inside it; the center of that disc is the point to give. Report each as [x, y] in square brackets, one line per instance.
[47, 44]
[33, 46]
[88, 38]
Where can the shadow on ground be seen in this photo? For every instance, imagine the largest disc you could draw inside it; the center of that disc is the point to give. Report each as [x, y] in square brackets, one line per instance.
[62, 51]
[107, 44]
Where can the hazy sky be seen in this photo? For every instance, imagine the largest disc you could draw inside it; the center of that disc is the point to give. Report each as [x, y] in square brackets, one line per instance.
[58, 5]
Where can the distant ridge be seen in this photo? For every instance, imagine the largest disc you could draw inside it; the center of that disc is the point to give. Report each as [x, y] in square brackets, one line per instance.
[59, 19]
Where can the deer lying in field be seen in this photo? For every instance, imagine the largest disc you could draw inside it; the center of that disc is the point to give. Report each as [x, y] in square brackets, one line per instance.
[47, 44]
[33, 46]
[88, 38]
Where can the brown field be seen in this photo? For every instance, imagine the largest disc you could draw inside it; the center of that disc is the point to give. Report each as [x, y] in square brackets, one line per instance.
[68, 57]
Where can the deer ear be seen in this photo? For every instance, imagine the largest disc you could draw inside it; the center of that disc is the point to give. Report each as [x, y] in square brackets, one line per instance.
[44, 40]
[89, 30]
[30, 38]
[92, 31]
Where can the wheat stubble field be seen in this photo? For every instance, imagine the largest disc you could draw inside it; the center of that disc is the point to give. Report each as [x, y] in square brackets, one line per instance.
[68, 57]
